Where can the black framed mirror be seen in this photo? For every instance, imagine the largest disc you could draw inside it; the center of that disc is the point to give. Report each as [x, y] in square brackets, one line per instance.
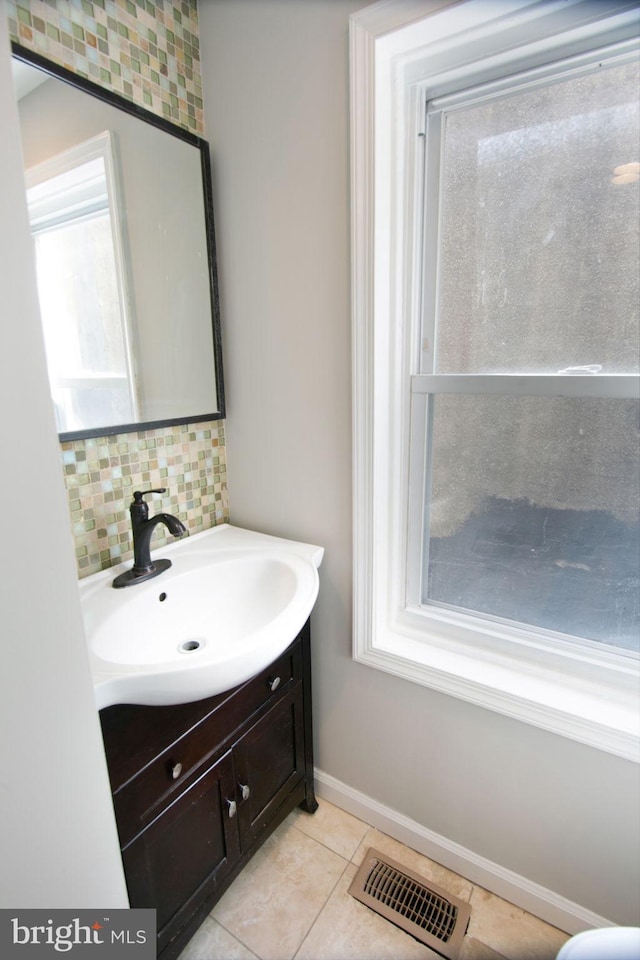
[121, 213]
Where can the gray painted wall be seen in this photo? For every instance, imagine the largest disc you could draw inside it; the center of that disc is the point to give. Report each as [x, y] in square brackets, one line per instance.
[57, 828]
[276, 95]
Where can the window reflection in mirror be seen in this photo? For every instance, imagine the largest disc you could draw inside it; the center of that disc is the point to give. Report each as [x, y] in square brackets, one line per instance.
[73, 202]
[138, 253]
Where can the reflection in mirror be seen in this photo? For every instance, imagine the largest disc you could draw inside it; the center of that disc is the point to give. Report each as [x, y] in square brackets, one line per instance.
[120, 211]
[73, 202]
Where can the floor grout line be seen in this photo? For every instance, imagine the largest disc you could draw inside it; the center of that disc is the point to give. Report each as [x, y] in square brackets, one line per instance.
[331, 849]
[322, 908]
[235, 937]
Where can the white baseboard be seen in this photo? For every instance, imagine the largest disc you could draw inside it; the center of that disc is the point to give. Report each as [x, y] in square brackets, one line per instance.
[510, 886]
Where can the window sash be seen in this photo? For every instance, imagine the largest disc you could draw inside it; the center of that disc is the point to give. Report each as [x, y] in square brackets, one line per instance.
[425, 384]
[426, 387]
[614, 386]
[429, 198]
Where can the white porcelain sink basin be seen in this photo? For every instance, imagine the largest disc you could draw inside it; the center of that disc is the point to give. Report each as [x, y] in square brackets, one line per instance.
[230, 603]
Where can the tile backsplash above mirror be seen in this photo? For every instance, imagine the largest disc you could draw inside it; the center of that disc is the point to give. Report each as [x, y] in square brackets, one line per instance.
[147, 51]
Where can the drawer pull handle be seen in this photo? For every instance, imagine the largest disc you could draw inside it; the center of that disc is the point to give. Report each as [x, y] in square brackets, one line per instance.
[245, 791]
[175, 770]
[233, 808]
[274, 684]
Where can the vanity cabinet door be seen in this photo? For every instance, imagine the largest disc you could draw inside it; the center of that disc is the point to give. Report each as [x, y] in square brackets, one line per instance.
[190, 847]
[268, 763]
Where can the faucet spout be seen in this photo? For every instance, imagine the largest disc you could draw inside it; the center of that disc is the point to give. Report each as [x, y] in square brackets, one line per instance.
[175, 526]
[143, 526]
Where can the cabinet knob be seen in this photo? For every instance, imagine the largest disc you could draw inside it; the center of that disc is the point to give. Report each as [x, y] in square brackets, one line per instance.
[233, 808]
[245, 791]
[274, 683]
[175, 770]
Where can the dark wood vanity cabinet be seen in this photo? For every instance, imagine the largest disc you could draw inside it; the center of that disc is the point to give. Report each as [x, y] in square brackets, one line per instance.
[198, 787]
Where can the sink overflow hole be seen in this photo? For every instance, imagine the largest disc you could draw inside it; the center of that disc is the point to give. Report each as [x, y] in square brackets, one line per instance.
[162, 597]
[188, 646]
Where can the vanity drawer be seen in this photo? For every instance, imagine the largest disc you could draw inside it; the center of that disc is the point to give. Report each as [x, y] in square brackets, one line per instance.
[142, 798]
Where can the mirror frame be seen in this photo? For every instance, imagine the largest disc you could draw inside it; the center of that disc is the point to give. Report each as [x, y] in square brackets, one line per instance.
[116, 100]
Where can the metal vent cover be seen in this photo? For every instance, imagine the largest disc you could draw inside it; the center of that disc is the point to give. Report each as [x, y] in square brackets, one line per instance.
[419, 907]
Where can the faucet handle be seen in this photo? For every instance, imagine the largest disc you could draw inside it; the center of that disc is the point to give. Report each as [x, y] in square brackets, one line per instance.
[139, 509]
[139, 494]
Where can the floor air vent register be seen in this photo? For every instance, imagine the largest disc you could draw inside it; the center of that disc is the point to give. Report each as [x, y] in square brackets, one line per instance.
[418, 907]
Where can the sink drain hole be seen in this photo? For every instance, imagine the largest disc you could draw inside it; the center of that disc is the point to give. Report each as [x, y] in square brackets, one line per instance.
[188, 646]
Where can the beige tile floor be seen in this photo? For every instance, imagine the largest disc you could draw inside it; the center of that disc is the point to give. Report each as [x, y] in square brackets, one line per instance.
[291, 903]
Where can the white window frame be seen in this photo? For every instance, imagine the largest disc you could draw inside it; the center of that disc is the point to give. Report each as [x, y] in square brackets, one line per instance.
[403, 51]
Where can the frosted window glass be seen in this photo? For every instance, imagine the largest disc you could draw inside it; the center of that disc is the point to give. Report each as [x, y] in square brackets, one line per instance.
[534, 514]
[539, 239]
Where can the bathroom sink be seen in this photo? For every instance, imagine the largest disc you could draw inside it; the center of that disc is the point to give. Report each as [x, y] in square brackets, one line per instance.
[230, 603]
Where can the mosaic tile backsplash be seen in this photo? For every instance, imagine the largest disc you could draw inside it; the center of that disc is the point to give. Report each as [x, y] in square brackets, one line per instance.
[147, 51]
[102, 474]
